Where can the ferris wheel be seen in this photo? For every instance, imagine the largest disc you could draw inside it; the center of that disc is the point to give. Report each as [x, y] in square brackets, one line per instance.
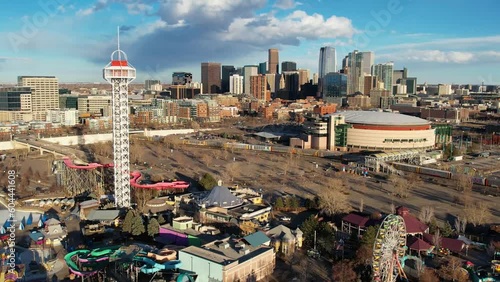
[389, 249]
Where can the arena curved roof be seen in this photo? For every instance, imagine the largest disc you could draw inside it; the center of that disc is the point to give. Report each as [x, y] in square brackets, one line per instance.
[380, 118]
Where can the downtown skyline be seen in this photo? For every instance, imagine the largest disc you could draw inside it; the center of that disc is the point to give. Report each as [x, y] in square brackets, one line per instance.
[72, 41]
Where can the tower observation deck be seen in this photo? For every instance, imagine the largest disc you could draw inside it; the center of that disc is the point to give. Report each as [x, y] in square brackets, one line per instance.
[119, 73]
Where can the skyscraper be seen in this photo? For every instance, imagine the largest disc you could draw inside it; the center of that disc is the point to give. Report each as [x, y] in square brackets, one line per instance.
[335, 87]
[359, 65]
[273, 61]
[236, 84]
[384, 73]
[227, 71]
[288, 66]
[262, 68]
[44, 96]
[210, 77]
[327, 61]
[248, 71]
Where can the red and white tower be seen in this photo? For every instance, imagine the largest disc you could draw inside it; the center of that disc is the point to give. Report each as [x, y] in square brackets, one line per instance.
[119, 73]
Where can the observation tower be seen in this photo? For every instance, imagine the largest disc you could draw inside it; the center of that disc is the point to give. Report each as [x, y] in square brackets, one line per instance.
[119, 73]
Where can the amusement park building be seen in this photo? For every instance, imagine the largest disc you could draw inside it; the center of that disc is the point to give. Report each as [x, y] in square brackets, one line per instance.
[370, 130]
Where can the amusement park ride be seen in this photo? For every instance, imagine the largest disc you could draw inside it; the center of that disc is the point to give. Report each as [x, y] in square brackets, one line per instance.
[119, 73]
[389, 250]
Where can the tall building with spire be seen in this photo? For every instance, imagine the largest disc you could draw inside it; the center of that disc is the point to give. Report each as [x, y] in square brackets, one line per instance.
[273, 61]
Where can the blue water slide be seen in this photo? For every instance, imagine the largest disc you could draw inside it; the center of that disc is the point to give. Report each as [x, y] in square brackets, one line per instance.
[151, 266]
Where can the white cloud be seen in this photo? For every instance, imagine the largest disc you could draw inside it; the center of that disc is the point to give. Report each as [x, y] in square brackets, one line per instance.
[139, 8]
[454, 43]
[440, 56]
[289, 30]
[99, 5]
[286, 4]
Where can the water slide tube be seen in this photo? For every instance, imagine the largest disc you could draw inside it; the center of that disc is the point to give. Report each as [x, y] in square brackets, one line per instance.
[162, 256]
[67, 161]
[94, 260]
[135, 176]
[151, 266]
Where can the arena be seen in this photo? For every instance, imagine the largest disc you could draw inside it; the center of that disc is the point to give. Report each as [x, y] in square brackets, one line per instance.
[370, 130]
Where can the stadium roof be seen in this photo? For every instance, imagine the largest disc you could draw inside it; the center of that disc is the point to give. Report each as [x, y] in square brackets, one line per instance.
[380, 118]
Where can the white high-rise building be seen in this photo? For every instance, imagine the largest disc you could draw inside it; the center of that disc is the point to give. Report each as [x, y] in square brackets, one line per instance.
[236, 84]
[66, 117]
[248, 71]
[44, 96]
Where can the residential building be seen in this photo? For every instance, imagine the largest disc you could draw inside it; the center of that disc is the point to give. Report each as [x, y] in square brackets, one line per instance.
[248, 71]
[236, 84]
[258, 88]
[273, 61]
[95, 105]
[231, 259]
[66, 117]
[211, 77]
[288, 66]
[182, 78]
[44, 96]
[227, 72]
[384, 73]
[327, 61]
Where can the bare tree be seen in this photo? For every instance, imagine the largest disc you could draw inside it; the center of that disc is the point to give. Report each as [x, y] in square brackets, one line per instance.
[233, 170]
[460, 225]
[453, 271]
[477, 213]
[426, 214]
[400, 187]
[334, 201]
[463, 182]
[142, 196]
[207, 159]
[436, 239]
[428, 275]
[343, 271]
[392, 208]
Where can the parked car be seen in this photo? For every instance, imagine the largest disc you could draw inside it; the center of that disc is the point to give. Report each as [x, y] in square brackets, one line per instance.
[285, 218]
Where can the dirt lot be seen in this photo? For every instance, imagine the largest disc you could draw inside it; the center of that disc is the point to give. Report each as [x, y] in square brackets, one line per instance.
[304, 176]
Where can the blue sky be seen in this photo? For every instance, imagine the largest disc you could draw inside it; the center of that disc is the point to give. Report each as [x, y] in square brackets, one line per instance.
[456, 41]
